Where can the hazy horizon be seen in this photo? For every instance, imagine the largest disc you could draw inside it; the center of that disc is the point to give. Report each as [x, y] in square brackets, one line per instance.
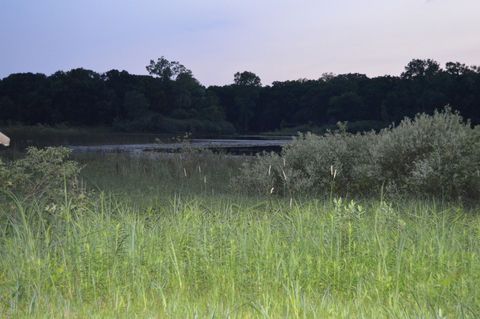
[278, 40]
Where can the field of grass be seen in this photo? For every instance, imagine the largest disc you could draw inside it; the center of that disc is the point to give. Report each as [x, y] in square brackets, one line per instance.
[171, 239]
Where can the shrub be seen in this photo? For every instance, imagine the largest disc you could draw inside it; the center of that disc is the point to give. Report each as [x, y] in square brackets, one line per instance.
[263, 175]
[336, 161]
[431, 155]
[41, 173]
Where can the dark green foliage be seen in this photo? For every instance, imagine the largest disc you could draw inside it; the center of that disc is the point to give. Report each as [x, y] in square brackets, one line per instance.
[135, 102]
[247, 78]
[418, 68]
[423, 87]
[433, 155]
[167, 70]
[345, 107]
[162, 124]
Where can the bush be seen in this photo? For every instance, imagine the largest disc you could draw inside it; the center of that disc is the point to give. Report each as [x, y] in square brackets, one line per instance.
[313, 164]
[41, 173]
[431, 155]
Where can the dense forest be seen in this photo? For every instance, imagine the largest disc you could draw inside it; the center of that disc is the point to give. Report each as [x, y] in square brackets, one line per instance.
[170, 99]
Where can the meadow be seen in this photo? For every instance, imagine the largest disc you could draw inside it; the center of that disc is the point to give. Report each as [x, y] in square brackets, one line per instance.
[182, 236]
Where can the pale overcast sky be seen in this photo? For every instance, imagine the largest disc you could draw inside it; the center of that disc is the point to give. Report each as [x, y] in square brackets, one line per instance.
[277, 39]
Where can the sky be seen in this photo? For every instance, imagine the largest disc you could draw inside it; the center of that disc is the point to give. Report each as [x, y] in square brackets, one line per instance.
[276, 39]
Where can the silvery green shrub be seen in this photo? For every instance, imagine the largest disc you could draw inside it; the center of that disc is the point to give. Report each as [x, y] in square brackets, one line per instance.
[313, 164]
[261, 176]
[430, 155]
[435, 154]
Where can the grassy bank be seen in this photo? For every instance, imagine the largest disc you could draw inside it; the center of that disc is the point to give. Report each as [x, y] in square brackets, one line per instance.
[199, 257]
[143, 181]
[170, 238]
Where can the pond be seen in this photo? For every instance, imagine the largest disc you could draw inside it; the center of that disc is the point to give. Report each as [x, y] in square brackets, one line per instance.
[143, 143]
[231, 146]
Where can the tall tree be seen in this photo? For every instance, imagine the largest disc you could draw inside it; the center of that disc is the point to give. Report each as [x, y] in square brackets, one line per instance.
[247, 78]
[418, 68]
[165, 69]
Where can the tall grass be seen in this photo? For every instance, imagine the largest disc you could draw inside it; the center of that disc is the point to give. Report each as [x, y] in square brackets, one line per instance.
[201, 258]
[146, 180]
[167, 238]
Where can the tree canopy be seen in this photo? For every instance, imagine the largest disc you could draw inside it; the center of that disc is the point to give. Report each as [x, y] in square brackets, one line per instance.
[247, 78]
[171, 99]
[167, 70]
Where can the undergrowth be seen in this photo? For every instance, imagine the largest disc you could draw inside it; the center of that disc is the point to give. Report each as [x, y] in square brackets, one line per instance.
[430, 156]
[168, 238]
[240, 259]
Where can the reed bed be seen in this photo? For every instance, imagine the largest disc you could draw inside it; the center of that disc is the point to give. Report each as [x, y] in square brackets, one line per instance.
[170, 238]
[221, 257]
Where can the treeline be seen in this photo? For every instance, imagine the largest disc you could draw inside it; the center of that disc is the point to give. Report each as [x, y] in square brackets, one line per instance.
[170, 99]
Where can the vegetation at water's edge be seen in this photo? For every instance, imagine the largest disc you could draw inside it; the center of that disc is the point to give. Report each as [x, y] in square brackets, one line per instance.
[128, 237]
[430, 156]
[171, 100]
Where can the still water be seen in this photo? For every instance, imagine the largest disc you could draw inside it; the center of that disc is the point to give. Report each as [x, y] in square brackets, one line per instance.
[137, 144]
